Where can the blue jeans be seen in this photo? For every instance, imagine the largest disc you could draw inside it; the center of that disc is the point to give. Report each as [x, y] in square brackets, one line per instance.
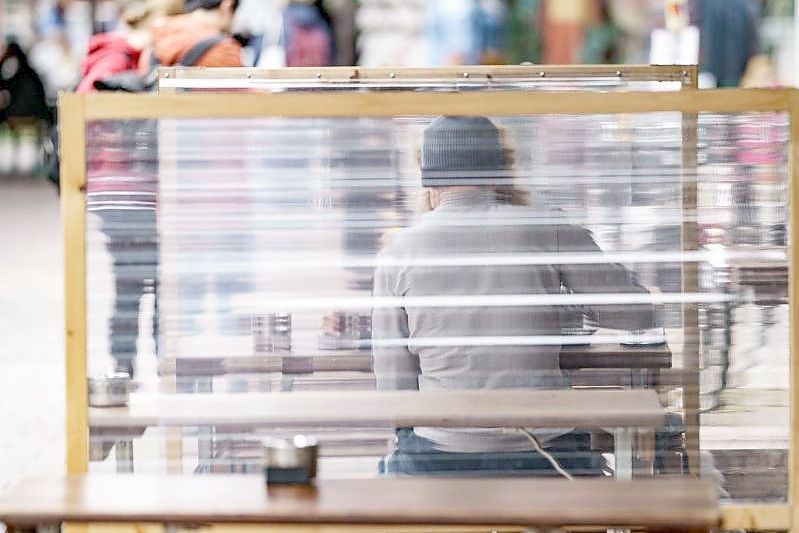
[417, 455]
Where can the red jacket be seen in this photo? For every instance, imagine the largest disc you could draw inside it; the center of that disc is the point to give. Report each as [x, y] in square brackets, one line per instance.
[109, 53]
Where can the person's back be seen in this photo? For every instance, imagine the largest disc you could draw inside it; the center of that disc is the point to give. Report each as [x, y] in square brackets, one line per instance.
[489, 322]
[469, 230]
[482, 314]
[175, 37]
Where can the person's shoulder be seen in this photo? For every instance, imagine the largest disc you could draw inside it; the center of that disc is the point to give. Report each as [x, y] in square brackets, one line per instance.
[397, 242]
[226, 53]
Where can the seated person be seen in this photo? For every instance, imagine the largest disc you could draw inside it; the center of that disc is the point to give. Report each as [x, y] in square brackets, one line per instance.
[484, 228]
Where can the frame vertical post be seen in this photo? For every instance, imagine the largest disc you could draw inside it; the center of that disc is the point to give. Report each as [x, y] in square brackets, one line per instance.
[72, 120]
[793, 299]
[690, 283]
[691, 81]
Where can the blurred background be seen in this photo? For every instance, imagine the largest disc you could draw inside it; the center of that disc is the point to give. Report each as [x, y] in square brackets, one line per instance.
[43, 44]
[735, 42]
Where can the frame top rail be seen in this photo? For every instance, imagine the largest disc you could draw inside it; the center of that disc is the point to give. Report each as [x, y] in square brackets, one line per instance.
[111, 106]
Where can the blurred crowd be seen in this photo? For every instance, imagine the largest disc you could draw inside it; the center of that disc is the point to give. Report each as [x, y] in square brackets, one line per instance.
[47, 46]
[55, 33]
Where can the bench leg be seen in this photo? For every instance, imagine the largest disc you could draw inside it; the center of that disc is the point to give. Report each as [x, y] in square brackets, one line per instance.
[123, 453]
[646, 450]
[623, 439]
[205, 434]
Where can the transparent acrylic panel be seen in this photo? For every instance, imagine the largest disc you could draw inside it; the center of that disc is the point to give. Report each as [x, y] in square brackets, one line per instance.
[742, 186]
[299, 256]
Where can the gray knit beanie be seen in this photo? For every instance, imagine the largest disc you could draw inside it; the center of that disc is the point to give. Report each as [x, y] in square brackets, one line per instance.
[461, 151]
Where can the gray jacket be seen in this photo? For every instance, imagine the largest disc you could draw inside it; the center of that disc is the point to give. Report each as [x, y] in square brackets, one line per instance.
[455, 331]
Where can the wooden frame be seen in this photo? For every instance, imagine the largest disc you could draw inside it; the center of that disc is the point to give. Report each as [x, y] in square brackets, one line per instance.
[171, 79]
[77, 110]
[73, 214]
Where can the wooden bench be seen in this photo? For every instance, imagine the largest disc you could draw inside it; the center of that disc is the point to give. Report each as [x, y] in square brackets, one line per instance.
[628, 411]
[676, 504]
[587, 409]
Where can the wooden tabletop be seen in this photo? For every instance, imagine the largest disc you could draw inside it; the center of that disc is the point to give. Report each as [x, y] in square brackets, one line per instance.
[615, 356]
[587, 409]
[676, 504]
[571, 358]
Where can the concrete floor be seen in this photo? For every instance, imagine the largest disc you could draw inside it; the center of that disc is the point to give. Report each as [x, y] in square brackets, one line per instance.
[31, 329]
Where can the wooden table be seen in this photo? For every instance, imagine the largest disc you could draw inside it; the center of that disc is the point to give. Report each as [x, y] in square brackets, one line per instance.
[767, 277]
[625, 410]
[573, 357]
[679, 504]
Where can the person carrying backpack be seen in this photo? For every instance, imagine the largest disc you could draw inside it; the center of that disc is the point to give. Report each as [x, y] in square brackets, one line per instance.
[122, 184]
[206, 24]
[116, 52]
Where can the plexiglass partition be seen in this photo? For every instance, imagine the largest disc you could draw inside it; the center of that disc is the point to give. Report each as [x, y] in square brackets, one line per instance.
[387, 276]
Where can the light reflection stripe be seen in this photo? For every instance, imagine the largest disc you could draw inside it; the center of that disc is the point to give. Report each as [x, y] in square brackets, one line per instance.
[493, 300]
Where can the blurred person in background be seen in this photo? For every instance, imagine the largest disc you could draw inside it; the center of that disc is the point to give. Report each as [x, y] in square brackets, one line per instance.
[342, 15]
[119, 51]
[635, 20]
[602, 38]
[563, 29]
[391, 33]
[308, 34]
[728, 38]
[22, 95]
[24, 112]
[122, 184]
[466, 32]
[204, 22]
[54, 54]
[524, 31]
[300, 33]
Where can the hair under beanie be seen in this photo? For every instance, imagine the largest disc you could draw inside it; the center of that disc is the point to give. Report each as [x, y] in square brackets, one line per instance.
[461, 151]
